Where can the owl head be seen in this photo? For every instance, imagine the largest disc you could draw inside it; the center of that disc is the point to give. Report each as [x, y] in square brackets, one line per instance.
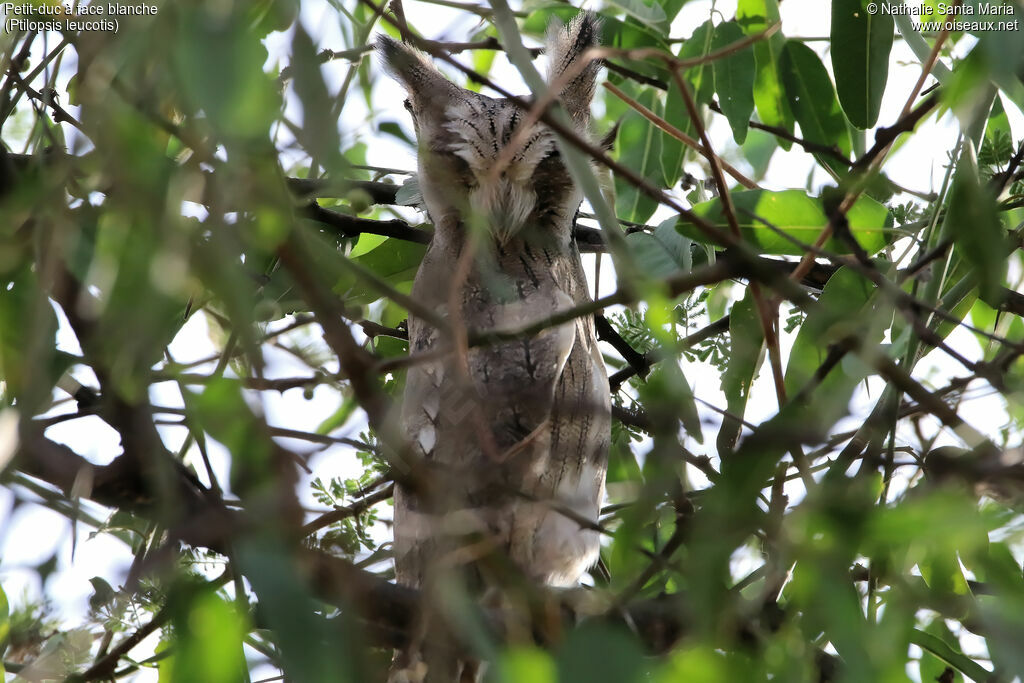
[477, 166]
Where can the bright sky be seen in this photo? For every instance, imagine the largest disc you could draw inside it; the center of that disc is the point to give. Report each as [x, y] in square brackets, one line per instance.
[34, 534]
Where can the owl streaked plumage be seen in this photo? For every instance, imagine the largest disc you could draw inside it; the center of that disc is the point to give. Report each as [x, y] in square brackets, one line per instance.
[509, 436]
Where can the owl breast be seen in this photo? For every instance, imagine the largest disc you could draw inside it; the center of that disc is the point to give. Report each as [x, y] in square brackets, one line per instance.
[521, 431]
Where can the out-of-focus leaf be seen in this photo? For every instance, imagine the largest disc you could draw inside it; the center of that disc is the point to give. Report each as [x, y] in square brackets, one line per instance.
[973, 221]
[667, 392]
[288, 608]
[997, 146]
[773, 109]
[209, 646]
[27, 334]
[483, 60]
[842, 309]
[102, 593]
[697, 665]
[267, 16]
[222, 412]
[861, 42]
[995, 565]
[796, 214]
[930, 666]
[812, 97]
[219, 64]
[526, 664]
[318, 133]
[395, 130]
[339, 417]
[1001, 43]
[939, 648]
[5, 622]
[964, 93]
[936, 522]
[596, 653]
[758, 150]
[746, 338]
[942, 572]
[622, 464]
[734, 79]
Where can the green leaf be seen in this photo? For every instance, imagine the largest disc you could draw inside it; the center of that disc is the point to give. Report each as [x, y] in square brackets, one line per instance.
[812, 97]
[640, 149]
[597, 653]
[861, 42]
[942, 572]
[103, 593]
[209, 646]
[339, 417]
[769, 96]
[671, 7]
[622, 464]
[931, 667]
[842, 309]
[28, 328]
[939, 648]
[483, 60]
[651, 255]
[700, 76]
[759, 149]
[973, 221]
[734, 79]
[218, 62]
[997, 146]
[222, 412]
[5, 624]
[267, 16]
[746, 337]
[698, 665]
[701, 80]
[409, 193]
[526, 664]
[650, 15]
[1001, 44]
[287, 607]
[796, 214]
[666, 391]
[319, 131]
[662, 253]
[393, 260]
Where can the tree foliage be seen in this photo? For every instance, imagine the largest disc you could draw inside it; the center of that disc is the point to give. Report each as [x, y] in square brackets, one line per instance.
[830, 506]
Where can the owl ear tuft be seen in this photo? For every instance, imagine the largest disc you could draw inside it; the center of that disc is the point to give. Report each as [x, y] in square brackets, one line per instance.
[566, 46]
[408, 65]
[427, 87]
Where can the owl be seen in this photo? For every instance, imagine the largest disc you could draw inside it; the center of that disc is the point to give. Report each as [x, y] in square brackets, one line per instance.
[508, 442]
